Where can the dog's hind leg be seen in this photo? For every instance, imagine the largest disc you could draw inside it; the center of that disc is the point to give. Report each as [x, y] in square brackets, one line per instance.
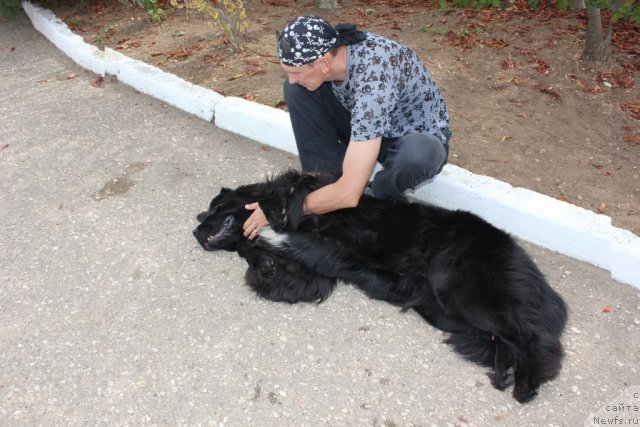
[437, 318]
[538, 361]
[502, 361]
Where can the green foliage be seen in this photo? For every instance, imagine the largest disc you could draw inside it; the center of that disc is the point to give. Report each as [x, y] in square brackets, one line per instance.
[475, 4]
[9, 8]
[151, 6]
[629, 10]
[153, 11]
[230, 15]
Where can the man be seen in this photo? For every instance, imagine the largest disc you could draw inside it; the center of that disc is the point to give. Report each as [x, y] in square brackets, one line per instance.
[355, 98]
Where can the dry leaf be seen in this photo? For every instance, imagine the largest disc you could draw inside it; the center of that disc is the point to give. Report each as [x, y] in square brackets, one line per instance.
[549, 91]
[519, 80]
[506, 138]
[607, 309]
[602, 207]
[69, 77]
[97, 82]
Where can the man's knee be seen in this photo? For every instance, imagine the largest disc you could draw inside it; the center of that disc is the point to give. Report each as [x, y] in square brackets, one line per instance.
[424, 154]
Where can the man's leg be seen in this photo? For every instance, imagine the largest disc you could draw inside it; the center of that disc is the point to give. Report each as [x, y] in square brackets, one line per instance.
[411, 160]
[321, 126]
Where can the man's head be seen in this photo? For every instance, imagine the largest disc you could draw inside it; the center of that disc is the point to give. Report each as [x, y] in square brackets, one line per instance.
[307, 47]
[305, 39]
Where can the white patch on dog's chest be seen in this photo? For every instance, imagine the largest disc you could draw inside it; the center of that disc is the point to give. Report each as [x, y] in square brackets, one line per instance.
[277, 240]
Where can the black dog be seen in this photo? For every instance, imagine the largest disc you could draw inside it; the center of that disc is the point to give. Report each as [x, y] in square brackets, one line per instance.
[460, 273]
[270, 274]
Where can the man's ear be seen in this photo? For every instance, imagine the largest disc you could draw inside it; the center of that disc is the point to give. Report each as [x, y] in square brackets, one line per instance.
[324, 62]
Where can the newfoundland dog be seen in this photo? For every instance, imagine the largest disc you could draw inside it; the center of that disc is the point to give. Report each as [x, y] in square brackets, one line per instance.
[457, 271]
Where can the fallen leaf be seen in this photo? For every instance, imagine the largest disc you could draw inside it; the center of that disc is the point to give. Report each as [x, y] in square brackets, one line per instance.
[97, 82]
[633, 141]
[548, 90]
[602, 208]
[595, 165]
[633, 107]
[506, 138]
[68, 77]
[178, 33]
[5, 146]
[495, 43]
[519, 80]
[542, 66]
[607, 309]
[499, 417]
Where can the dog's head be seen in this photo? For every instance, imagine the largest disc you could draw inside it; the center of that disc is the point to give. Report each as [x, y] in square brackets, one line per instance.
[221, 226]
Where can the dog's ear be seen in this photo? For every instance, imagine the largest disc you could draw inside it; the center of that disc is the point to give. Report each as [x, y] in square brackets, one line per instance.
[283, 202]
[202, 216]
[298, 192]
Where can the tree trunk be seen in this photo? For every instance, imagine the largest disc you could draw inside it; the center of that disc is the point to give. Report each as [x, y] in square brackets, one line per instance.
[326, 4]
[594, 50]
[596, 47]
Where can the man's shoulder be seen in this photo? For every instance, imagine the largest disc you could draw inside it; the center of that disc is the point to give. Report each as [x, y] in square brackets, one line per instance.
[378, 46]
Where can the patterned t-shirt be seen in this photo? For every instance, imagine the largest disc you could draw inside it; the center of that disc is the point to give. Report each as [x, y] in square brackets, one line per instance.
[389, 92]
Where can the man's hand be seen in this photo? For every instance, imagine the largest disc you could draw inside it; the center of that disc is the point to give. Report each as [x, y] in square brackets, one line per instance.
[255, 222]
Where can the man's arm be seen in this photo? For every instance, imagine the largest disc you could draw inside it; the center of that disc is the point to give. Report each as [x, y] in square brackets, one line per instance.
[357, 166]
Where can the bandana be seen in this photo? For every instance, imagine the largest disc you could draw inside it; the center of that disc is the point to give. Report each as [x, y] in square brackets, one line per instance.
[307, 38]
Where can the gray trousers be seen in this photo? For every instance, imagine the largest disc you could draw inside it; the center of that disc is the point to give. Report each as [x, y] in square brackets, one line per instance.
[322, 127]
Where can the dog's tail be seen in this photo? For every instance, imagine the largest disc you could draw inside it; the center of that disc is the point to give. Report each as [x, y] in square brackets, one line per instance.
[474, 345]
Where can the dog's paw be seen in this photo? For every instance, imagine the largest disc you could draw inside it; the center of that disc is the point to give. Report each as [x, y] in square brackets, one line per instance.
[501, 380]
[525, 392]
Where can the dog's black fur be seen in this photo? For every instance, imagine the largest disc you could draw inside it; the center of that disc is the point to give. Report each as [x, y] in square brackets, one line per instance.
[461, 274]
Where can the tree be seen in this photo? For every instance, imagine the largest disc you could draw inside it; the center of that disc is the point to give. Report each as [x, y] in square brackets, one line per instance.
[326, 4]
[597, 44]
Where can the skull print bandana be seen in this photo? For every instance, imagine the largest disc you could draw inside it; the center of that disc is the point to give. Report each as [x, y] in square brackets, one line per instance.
[307, 38]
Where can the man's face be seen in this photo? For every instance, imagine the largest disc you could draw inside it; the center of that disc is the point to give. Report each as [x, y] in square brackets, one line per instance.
[310, 76]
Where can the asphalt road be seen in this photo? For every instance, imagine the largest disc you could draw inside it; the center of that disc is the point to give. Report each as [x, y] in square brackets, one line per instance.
[111, 314]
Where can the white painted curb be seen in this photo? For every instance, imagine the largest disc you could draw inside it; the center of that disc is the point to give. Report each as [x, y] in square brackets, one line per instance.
[259, 122]
[540, 219]
[147, 79]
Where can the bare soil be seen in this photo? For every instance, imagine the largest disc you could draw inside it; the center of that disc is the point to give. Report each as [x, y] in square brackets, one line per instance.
[525, 108]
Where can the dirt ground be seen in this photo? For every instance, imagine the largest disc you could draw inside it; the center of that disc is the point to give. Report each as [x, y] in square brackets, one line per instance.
[525, 108]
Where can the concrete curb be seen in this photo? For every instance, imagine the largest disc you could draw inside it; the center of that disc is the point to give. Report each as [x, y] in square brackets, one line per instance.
[539, 219]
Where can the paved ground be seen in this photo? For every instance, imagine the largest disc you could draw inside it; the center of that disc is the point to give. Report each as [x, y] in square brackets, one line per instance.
[110, 314]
